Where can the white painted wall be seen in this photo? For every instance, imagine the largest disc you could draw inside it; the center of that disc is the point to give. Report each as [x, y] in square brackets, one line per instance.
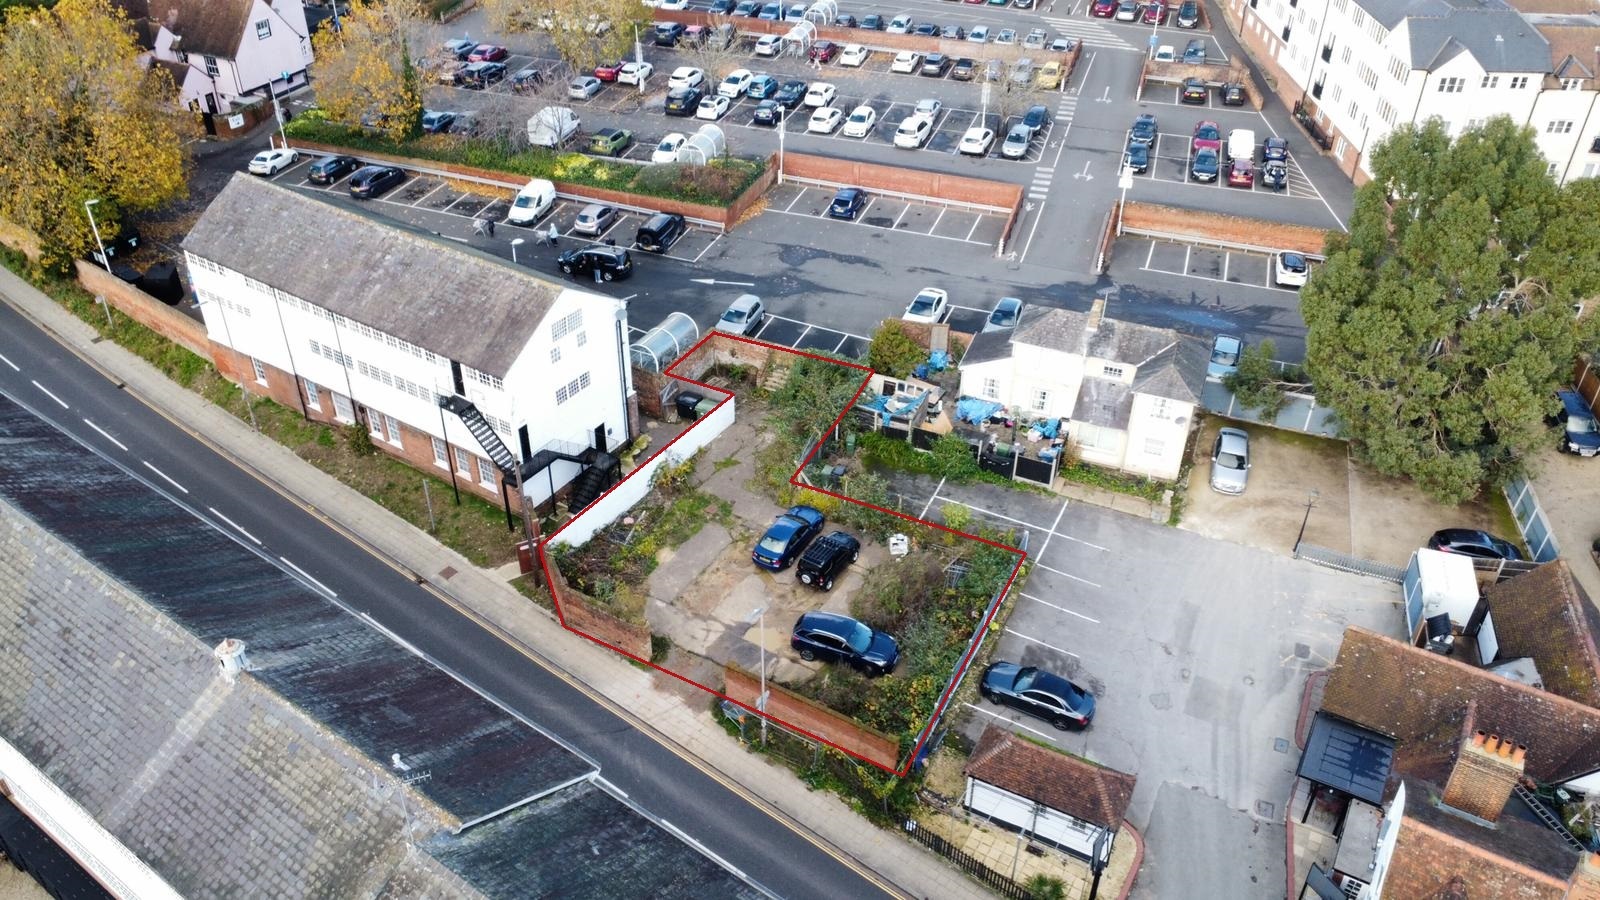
[1158, 430]
[286, 49]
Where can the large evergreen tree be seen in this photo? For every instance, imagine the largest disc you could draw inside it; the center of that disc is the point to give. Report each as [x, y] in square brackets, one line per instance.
[1441, 324]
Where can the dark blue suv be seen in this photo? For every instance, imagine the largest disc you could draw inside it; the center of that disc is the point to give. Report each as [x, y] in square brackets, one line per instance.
[1580, 435]
[834, 638]
[786, 537]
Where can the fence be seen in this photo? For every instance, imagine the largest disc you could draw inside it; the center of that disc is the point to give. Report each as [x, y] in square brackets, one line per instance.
[968, 863]
[1531, 521]
[1301, 413]
[1344, 562]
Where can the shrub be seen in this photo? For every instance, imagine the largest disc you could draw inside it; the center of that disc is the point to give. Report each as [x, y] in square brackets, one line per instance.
[360, 439]
[898, 592]
[893, 351]
[953, 459]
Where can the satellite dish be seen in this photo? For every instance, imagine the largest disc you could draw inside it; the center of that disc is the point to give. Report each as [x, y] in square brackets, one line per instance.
[1181, 420]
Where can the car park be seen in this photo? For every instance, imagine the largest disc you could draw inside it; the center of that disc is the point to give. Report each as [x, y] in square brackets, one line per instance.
[669, 33]
[786, 538]
[976, 141]
[930, 306]
[906, 62]
[1137, 157]
[1230, 461]
[1017, 141]
[271, 162]
[1104, 9]
[686, 77]
[769, 44]
[594, 219]
[901, 24]
[767, 112]
[1144, 130]
[374, 181]
[435, 121]
[1205, 166]
[1189, 14]
[608, 71]
[953, 33]
[1127, 11]
[736, 83]
[831, 637]
[1154, 14]
[329, 169]
[1005, 315]
[660, 232]
[532, 201]
[861, 121]
[610, 141]
[822, 51]
[847, 203]
[825, 120]
[1048, 77]
[1290, 269]
[913, 132]
[1472, 542]
[764, 86]
[479, 75]
[978, 35]
[612, 263]
[488, 53]
[635, 73]
[682, 101]
[1038, 693]
[1232, 94]
[743, 316]
[713, 107]
[583, 87]
[1225, 352]
[1206, 134]
[826, 558]
[853, 55]
[820, 93]
[1242, 173]
[934, 65]
[1194, 52]
[791, 93]
[1194, 91]
[964, 69]
[1274, 148]
[1275, 174]
[526, 79]
[1580, 434]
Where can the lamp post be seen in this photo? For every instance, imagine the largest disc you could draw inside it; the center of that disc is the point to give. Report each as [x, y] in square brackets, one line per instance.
[1311, 501]
[88, 207]
[758, 618]
[783, 124]
[621, 315]
[277, 111]
[514, 244]
[1124, 181]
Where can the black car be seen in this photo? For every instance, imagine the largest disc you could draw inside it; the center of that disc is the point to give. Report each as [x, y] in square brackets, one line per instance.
[613, 263]
[660, 232]
[373, 181]
[826, 558]
[953, 33]
[1233, 94]
[834, 638]
[786, 537]
[721, 7]
[437, 122]
[845, 21]
[1194, 52]
[1036, 118]
[926, 29]
[1189, 14]
[479, 75]
[1205, 166]
[848, 203]
[1274, 174]
[790, 94]
[767, 112]
[934, 65]
[1475, 543]
[683, 101]
[329, 169]
[1194, 91]
[668, 33]
[874, 22]
[526, 79]
[964, 69]
[1138, 157]
[1038, 693]
[1274, 148]
[1144, 130]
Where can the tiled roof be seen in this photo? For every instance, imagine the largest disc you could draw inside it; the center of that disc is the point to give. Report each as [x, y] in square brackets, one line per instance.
[1433, 861]
[1556, 7]
[1420, 699]
[210, 27]
[1541, 615]
[1177, 373]
[1574, 45]
[1115, 340]
[1074, 786]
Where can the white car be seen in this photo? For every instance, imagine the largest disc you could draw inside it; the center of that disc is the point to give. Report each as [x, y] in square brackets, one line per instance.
[976, 141]
[929, 307]
[825, 120]
[667, 150]
[860, 123]
[736, 83]
[769, 44]
[635, 72]
[913, 132]
[673, 4]
[820, 93]
[271, 162]
[1165, 53]
[901, 24]
[1035, 40]
[1290, 269]
[1006, 36]
[713, 107]
[928, 107]
[685, 77]
[979, 34]
[906, 61]
[853, 55]
[744, 316]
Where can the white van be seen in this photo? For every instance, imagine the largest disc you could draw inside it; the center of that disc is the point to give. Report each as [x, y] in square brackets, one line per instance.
[532, 202]
[552, 126]
[1241, 144]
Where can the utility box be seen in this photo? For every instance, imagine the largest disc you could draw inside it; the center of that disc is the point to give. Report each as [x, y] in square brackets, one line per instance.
[1438, 583]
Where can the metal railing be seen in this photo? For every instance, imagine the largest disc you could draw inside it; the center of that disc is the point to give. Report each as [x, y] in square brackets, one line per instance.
[1344, 562]
[968, 863]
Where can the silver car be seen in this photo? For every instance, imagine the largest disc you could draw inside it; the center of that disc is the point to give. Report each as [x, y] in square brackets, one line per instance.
[583, 87]
[1230, 461]
[594, 219]
[743, 317]
[1004, 316]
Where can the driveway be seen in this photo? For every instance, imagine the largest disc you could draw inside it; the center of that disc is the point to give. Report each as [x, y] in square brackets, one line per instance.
[1569, 493]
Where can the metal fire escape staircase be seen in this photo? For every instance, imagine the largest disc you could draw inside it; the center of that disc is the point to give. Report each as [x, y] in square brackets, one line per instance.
[499, 454]
[600, 471]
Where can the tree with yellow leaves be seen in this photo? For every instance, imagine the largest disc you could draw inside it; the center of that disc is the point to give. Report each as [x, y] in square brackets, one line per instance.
[84, 118]
[584, 33]
[366, 72]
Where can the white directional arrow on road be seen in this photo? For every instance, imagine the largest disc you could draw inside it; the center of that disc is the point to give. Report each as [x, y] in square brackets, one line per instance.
[1084, 174]
[714, 281]
[1106, 97]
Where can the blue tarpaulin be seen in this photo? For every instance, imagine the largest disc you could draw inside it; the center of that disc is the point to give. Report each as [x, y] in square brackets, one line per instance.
[898, 405]
[938, 361]
[971, 409]
[1047, 428]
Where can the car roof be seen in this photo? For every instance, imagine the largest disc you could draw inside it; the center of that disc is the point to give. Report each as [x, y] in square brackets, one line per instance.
[833, 623]
[1574, 403]
[744, 302]
[1227, 342]
[1234, 439]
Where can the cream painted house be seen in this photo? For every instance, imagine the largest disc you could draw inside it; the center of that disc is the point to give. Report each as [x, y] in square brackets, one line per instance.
[223, 52]
[1127, 391]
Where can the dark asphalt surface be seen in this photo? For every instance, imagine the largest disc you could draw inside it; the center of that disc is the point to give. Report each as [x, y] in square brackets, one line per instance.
[764, 848]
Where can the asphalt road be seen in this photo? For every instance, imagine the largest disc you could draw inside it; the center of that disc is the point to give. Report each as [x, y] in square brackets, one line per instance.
[47, 377]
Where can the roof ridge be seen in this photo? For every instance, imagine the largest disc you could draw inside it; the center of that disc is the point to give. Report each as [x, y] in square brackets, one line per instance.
[1485, 853]
[1466, 668]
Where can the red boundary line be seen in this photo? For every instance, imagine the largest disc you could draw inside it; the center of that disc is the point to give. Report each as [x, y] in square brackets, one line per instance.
[972, 646]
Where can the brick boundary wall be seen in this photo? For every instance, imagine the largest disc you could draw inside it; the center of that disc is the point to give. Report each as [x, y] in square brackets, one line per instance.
[1108, 237]
[577, 613]
[788, 707]
[1210, 226]
[730, 350]
[1235, 72]
[164, 320]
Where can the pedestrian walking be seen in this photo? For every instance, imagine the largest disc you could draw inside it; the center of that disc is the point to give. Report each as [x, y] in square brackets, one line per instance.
[553, 234]
[490, 224]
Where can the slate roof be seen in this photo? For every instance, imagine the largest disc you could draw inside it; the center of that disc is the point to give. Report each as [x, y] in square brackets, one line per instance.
[1103, 402]
[987, 346]
[1498, 38]
[210, 27]
[1115, 340]
[278, 784]
[455, 301]
[1421, 700]
[1177, 373]
[1542, 615]
[1516, 847]
[1074, 786]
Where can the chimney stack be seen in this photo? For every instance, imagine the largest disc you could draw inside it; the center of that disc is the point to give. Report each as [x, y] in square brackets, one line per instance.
[1096, 312]
[1484, 775]
[230, 655]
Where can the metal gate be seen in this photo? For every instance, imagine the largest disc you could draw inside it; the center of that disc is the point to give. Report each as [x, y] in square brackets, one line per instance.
[1344, 562]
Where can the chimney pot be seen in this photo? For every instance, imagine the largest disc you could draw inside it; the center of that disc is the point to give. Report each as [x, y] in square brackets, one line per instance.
[230, 655]
[1519, 754]
[1478, 738]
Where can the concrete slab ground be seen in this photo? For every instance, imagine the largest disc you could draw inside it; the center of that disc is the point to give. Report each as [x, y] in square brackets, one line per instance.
[1391, 517]
[1246, 858]
[1569, 494]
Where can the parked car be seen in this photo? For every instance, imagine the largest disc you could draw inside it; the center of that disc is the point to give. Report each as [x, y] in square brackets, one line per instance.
[736, 83]
[610, 141]
[928, 106]
[906, 62]
[1144, 130]
[1194, 91]
[934, 65]
[848, 203]
[929, 307]
[488, 53]
[1104, 9]
[831, 637]
[608, 71]
[860, 122]
[1290, 269]
[976, 141]
[526, 79]
[1165, 53]
[459, 48]
[1154, 14]
[953, 33]
[771, 12]
[682, 101]
[1275, 174]
[594, 219]
[853, 55]
[1206, 134]
[791, 93]
[1038, 693]
[763, 86]
[1048, 78]
[743, 316]
[1580, 435]
[1137, 157]
[1232, 94]
[964, 69]
[329, 169]
[1036, 40]
[1471, 542]
[669, 33]
[824, 120]
[913, 132]
[271, 162]
[823, 51]
[1274, 148]
[978, 35]
[1205, 166]
[821, 93]
[660, 232]
[583, 87]
[1242, 173]
[1230, 461]
[845, 21]
[1004, 316]
[901, 24]
[747, 8]
[769, 44]
[435, 121]
[635, 73]
[532, 201]
[767, 112]
[1036, 118]
[872, 22]
[786, 537]
[1061, 45]
[613, 263]
[1127, 11]
[713, 107]
[1022, 73]
[375, 181]
[479, 75]
[1194, 52]
[1189, 14]
[1225, 352]
[686, 77]
[826, 558]
[926, 29]
[1017, 141]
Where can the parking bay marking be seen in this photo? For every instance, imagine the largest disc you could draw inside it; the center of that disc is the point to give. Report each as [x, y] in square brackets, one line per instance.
[1061, 608]
[1006, 719]
[1042, 643]
[1049, 531]
[1065, 574]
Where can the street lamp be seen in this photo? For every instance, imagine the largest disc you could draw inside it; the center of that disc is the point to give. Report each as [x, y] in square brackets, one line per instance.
[514, 244]
[783, 125]
[758, 618]
[88, 207]
[1124, 181]
[276, 111]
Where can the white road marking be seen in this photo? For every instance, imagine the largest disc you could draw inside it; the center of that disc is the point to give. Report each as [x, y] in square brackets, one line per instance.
[120, 445]
[50, 395]
[1042, 643]
[929, 505]
[10, 363]
[1053, 525]
[1054, 606]
[1065, 574]
[165, 475]
[995, 515]
[1006, 719]
[303, 574]
[235, 525]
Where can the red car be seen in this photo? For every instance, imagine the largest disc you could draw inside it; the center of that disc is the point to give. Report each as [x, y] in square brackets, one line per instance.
[1206, 134]
[823, 51]
[1154, 14]
[608, 71]
[1242, 173]
[488, 53]
[1105, 9]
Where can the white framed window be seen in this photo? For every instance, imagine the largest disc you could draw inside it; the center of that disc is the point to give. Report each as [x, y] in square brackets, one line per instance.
[1339, 146]
[991, 389]
[1572, 84]
[1154, 446]
[263, 29]
[393, 425]
[1112, 371]
[463, 462]
[555, 354]
[1338, 91]
[1397, 69]
[561, 395]
[1344, 57]
[1161, 408]
[211, 67]
[583, 338]
[1559, 126]
[260, 370]
[441, 454]
[342, 410]
[1358, 17]
[1041, 400]
[1519, 82]
[1551, 170]
[313, 396]
[375, 423]
[1474, 123]
[1490, 81]
[1451, 85]
[485, 472]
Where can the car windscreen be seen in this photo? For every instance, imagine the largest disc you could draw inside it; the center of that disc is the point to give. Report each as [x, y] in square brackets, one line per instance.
[1229, 460]
[923, 304]
[773, 545]
[1225, 357]
[1581, 424]
[733, 315]
[860, 638]
[1025, 679]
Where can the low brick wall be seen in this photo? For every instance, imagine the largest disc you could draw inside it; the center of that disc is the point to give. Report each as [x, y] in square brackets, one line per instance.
[1210, 226]
[578, 615]
[165, 320]
[1176, 72]
[812, 717]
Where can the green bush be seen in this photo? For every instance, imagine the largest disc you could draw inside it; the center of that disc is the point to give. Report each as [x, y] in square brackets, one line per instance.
[953, 459]
[893, 352]
[880, 451]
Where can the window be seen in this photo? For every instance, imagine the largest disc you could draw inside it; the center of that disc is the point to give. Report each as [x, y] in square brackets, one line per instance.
[1451, 85]
[263, 30]
[991, 389]
[555, 354]
[261, 370]
[1112, 371]
[583, 338]
[342, 410]
[561, 395]
[1556, 126]
[1572, 84]
[1518, 82]
[1041, 400]
[1358, 17]
[1154, 446]
[1344, 57]
[1399, 70]
[1386, 111]
[375, 423]
[485, 472]
[463, 462]
[1161, 408]
[1339, 146]
[1338, 91]
[1339, 5]
[441, 457]
[1490, 81]
[565, 325]
[211, 67]
[1551, 170]
[394, 429]
[313, 396]
[1474, 123]
[1368, 77]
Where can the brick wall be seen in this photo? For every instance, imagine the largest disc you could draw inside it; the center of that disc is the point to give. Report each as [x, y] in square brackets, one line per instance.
[578, 615]
[1221, 227]
[167, 321]
[809, 716]
[721, 348]
[1486, 770]
[917, 183]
